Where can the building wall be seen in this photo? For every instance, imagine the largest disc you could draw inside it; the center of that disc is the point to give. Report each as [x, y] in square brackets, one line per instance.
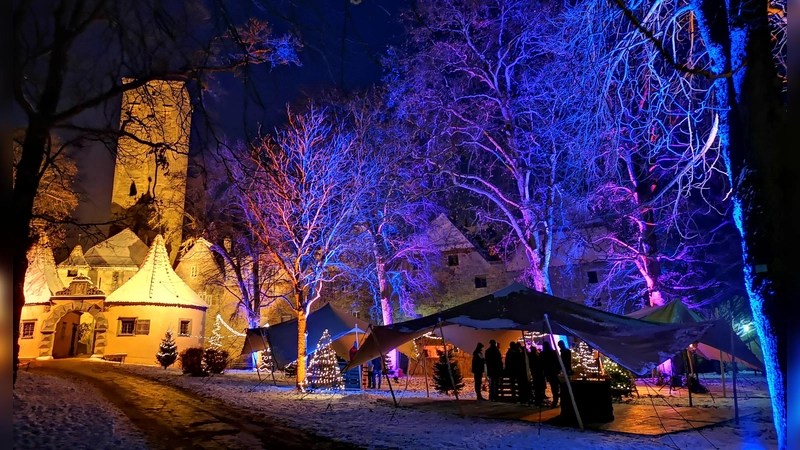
[29, 347]
[159, 112]
[142, 349]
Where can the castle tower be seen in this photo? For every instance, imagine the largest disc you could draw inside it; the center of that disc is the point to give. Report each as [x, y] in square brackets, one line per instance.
[150, 175]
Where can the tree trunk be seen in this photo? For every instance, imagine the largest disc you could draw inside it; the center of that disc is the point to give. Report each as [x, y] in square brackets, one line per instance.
[300, 382]
[26, 184]
[753, 135]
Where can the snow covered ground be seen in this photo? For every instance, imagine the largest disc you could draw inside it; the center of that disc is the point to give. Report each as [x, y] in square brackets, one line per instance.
[54, 413]
[360, 418]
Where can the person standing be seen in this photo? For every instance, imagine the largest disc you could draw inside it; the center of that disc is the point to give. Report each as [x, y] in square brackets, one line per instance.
[370, 372]
[478, 363]
[513, 361]
[551, 368]
[537, 375]
[377, 371]
[494, 369]
[566, 357]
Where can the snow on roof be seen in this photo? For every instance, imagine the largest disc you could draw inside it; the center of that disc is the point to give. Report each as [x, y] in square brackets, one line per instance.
[75, 258]
[156, 282]
[41, 278]
[199, 250]
[123, 249]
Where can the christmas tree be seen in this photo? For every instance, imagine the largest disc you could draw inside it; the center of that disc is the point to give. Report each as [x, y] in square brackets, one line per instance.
[621, 378]
[168, 350]
[323, 369]
[441, 374]
[215, 341]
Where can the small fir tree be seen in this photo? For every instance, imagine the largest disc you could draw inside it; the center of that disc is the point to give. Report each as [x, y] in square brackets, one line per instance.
[167, 351]
[441, 374]
[323, 370]
[622, 383]
[215, 341]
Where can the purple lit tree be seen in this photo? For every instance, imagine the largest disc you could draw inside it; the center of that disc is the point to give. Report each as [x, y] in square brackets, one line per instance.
[303, 189]
[491, 121]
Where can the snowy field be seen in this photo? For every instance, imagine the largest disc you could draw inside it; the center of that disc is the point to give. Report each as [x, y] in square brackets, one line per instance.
[360, 418]
[53, 413]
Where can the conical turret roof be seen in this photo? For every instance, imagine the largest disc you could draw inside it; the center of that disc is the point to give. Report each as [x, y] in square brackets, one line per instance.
[41, 278]
[75, 258]
[156, 282]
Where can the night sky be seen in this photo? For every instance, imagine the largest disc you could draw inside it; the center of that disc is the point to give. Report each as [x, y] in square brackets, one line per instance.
[342, 47]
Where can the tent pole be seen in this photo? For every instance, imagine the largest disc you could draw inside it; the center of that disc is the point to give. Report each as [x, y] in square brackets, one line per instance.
[688, 379]
[733, 379]
[394, 399]
[527, 365]
[566, 376]
[425, 370]
[722, 373]
[447, 358]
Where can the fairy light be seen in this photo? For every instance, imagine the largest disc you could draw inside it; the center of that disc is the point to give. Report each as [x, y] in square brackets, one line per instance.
[323, 369]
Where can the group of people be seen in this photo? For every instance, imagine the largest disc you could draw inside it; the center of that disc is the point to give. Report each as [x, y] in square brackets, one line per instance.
[374, 369]
[544, 368]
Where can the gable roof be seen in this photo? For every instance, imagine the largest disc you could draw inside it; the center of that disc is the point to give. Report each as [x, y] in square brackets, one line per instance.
[75, 258]
[123, 249]
[156, 283]
[41, 278]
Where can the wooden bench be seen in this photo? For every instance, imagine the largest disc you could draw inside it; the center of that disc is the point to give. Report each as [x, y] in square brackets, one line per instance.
[115, 357]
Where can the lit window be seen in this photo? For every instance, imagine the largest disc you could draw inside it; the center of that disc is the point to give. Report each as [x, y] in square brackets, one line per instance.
[480, 282]
[452, 260]
[127, 327]
[27, 329]
[142, 327]
[185, 328]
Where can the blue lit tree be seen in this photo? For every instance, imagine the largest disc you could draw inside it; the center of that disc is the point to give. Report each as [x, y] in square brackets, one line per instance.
[745, 44]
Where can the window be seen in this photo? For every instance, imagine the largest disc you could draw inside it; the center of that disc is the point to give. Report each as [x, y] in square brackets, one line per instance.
[142, 327]
[127, 327]
[355, 314]
[72, 273]
[185, 328]
[286, 317]
[480, 282]
[592, 277]
[194, 271]
[28, 327]
[452, 260]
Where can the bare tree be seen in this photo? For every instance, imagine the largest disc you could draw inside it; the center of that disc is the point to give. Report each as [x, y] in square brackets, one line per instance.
[495, 123]
[304, 188]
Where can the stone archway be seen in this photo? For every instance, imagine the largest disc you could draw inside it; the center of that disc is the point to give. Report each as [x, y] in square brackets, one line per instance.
[61, 310]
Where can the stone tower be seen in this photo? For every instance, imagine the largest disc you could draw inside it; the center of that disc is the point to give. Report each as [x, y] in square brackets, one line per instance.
[152, 162]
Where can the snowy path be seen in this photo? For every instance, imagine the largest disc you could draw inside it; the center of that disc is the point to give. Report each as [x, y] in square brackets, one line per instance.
[171, 418]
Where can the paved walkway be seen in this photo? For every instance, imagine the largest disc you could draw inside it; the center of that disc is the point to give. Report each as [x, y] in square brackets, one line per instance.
[175, 419]
[645, 420]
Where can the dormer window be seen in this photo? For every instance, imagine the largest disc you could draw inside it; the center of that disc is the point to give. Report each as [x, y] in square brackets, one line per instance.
[452, 260]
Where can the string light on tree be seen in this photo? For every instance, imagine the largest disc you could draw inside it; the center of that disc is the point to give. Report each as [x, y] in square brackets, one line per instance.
[215, 340]
[584, 360]
[323, 369]
[621, 378]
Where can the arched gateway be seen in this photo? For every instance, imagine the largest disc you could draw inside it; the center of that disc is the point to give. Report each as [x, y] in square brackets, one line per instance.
[82, 297]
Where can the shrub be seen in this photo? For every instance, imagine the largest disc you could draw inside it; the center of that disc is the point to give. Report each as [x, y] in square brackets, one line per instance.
[192, 362]
[216, 361]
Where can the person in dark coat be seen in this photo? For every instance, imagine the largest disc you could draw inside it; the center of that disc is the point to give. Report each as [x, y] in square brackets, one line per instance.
[513, 361]
[353, 350]
[494, 368]
[377, 371]
[524, 382]
[566, 357]
[478, 363]
[537, 375]
[551, 368]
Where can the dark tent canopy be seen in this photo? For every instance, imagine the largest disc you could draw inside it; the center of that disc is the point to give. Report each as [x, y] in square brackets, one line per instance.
[635, 344]
[282, 338]
[716, 343]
